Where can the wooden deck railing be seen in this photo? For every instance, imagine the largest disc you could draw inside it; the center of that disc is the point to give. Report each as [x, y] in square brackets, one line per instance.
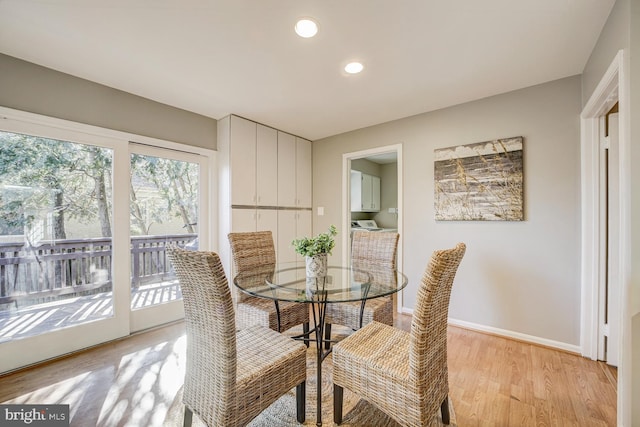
[78, 265]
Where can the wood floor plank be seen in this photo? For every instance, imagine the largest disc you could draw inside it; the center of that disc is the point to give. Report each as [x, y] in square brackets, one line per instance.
[493, 381]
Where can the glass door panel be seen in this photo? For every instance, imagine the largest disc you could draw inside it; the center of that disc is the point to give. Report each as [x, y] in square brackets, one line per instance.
[164, 206]
[55, 234]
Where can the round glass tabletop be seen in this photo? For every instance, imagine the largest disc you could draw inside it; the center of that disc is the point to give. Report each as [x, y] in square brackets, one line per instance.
[341, 284]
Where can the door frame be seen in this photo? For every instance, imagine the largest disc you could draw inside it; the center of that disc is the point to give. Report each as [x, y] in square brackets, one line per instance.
[613, 87]
[346, 203]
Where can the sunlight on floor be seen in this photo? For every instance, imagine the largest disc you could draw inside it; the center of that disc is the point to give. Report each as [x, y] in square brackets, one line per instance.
[156, 385]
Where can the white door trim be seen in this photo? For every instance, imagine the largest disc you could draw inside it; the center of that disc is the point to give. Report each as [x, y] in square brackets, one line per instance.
[613, 87]
[346, 202]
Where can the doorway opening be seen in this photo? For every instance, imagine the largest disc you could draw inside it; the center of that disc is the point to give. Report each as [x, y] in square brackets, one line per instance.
[381, 207]
[605, 323]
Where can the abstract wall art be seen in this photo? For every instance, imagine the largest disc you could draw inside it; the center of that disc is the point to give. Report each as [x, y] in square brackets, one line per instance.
[480, 182]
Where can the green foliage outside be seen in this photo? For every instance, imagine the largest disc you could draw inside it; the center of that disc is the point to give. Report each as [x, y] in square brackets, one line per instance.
[59, 180]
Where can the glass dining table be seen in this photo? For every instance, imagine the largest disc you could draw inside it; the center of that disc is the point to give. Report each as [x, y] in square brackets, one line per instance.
[340, 284]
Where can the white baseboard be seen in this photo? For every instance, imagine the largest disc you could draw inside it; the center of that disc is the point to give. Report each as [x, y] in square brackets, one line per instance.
[517, 336]
[511, 334]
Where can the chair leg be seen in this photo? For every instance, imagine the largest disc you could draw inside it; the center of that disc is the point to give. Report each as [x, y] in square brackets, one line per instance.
[300, 401]
[337, 404]
[188, 416]
[305, 330]
[444, 409]
[327, 336]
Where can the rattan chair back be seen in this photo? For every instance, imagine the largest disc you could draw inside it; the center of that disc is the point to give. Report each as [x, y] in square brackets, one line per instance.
[376, 250]
[211, 332]
[428, 338]
[252, 250]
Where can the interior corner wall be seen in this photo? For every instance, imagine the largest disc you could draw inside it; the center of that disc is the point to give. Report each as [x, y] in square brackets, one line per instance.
[516, 276]
[614, 36]
[29, 87]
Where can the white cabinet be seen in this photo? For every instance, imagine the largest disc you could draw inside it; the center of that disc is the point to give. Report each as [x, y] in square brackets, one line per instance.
[292, 224]
[287, 171]
[365, 192]
[264, 183]
[242, 156]
[266, 166]
[294, 171]
[253, 160]
[303, 173]
[255, 220]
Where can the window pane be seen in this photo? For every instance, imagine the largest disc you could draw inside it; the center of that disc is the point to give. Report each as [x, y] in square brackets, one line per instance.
[55, 234]
[164, 210]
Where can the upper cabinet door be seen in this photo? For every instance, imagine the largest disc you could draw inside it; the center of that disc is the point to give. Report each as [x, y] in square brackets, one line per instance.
[286, 170]
[303, 173]
[367, 196]
[365, 192]
[267, 166]
[356, 191]
[243, 161]
[375, 194]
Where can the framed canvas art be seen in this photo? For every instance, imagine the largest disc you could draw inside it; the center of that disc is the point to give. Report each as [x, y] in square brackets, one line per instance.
[480, 182]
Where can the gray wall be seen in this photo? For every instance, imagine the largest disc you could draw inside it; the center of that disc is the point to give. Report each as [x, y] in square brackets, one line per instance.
[29, 87]
[517, 276]
[614, 36]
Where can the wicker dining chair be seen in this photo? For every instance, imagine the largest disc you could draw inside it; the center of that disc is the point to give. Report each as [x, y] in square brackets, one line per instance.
[231, 377]
[369, 251]
[250, 251]
[404, 374]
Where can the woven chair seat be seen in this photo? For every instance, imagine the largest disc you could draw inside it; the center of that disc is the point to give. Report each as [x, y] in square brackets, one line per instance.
[348, 313]
[261, 311]
[268, 363]
[369, 361]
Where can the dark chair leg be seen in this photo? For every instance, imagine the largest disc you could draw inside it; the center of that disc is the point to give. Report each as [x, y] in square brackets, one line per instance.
[327, 336]
[188, 416]
[337, 404]
[444, 408]
[305, 330]
[300, 401]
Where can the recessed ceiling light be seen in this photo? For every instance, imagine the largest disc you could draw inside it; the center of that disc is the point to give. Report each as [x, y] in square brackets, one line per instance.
[306, 28]
[353, 67]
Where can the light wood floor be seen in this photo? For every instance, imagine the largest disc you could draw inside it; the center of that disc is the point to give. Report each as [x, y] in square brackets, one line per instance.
[493, 382]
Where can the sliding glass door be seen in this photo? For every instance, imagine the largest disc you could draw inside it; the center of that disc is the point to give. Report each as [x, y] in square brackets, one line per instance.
[55, 234]
[85, 217]
[164, 204]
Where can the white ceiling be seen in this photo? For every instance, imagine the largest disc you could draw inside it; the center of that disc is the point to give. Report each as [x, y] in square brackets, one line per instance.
[217, 57]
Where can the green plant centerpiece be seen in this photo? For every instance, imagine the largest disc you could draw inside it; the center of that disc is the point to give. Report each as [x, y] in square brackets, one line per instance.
[315, 250]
